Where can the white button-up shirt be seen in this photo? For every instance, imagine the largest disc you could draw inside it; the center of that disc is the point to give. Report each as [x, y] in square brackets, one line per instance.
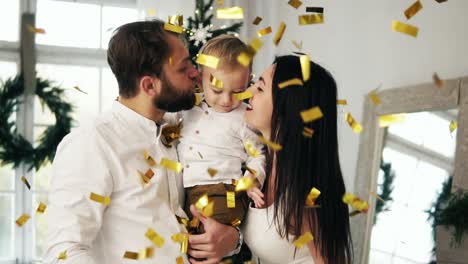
[105, 158]
[216, 140]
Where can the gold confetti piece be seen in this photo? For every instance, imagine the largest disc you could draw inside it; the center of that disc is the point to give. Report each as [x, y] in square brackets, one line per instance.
[244, 59]
[170, 61]
[234, 12]
[308, 132]
[212, 172]
[79, 90]
[177, 20]
[311, 9]
[377, 196]
[181, 238]
[220, 2]
[311, 19]
[105, 200]
[180, 260]
[243, 95]
[453, 126]
[198, 99]
[255, 45]
[355, 202]
[62, 255]
[341, 102]
[231, 199]
[170, 164]
[311, 114]
[25, 181]
[250, 148]
[296, 44]
[41, 208]
[279, 33]
[149, 159]
[303, 240]
[387, 120]
[274, 146]
[194, 223]
[215, 82]
[357, 128]
[146, 177]
[202, 202]
[413, 9]
[173, 28]
[207, 60]
[22, 220]
[305, 67]
[257, 20]
[244, 183]
[236, 222]
[437, 81]
[295, 3]
[146, 253]
[312, 196]
[35, 30]
[404, 28]
[374, 97]
[208, 210]
[151, 12]
[130, 255]
[264, 31]
[154, 237]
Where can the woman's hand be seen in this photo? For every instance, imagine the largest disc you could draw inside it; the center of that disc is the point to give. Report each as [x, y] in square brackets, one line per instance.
[211, 246]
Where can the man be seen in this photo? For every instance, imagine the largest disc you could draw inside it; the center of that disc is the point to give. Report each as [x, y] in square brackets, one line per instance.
[106, 160]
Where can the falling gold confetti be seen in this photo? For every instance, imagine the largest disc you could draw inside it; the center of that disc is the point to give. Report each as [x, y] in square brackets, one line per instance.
[170, 164]
[453, 126]
[296, 44]
[173, 28]
[208, 210]
[291, 82]
[181, 238]
[234, 12]
[62, 255]
[311, 114]
[177, 20]
[41, 208]
[355, 202]
[202, 202]
[264, 31]
[154, 237]
[274, 146]
[130, 255]
[215, 82]
[303, 240]
[180, 260]
[244, 59]
[257, 20]
[146, 253]
[231, 199]
[251, 149]
[25, 181]
[198, 99]
[311, 19]
[279, 33]
[341, 102]
[146, 177]
[357, 128]
[207, 60]
[243, 95]
[305, 67]
[236, 222]
[170, 61]
[22, 220]
[149, 159]
[413, 9]
[404, 28]
[194, 223]
[374, 97]
[151, 12]
[295, 3]
[437, 81]
[377, 196]
[308, 132]
[212, 172]
[311, 9]
[35, 30]
[105, 200]
[79, 89]
[312, 196]
[387, 120]
[244, 183]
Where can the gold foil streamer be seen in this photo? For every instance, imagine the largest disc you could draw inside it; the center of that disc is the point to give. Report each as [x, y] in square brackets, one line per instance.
[274, 146]
[181, 238]
[296, 44]
[105, 200]
[236, 222]
[303, 240]
[149, 159]
[231, 199]
[179, 260]
[374, 97]
[305, 67]
[234, 12]
[308, 132]
[437, 81]
[387, 120]
[207, 60]
[22, 220]
[311, 19]
[312, 196]
[357, 128]
[405, 28]
[279, 33]
[264, 31]
[170, 164]
[62, 255]
[243, 95]
[257, 20]
[25, 181]
[35, 30]
[341, 102]
[173, 28]
[244, 183]
[294, 81]
[311, 114]
[413, 9]
[215, 82]
[453, 125]
[250, 149]
[177, 20]
[295, 3]
[212, 172]
[355, 202]
[154, 237]
[41, 208]
[79, 90]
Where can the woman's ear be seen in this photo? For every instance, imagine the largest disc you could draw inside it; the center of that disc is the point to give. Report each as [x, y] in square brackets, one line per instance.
[150, 85]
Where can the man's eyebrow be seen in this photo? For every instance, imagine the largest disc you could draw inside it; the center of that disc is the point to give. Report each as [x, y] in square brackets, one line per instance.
[261, 79]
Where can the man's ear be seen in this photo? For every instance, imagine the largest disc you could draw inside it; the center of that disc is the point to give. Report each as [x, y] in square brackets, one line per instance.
[150, 85]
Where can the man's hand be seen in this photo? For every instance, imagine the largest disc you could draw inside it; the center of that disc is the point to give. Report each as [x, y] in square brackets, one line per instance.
[217, 241]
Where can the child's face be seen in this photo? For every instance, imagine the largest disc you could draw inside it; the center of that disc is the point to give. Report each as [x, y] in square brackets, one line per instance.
[234, 80]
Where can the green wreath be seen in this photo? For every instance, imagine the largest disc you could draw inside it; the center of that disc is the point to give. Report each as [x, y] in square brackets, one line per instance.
[14, 148]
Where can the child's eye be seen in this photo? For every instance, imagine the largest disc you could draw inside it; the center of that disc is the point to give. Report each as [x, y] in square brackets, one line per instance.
[259, 89]
[217, 91]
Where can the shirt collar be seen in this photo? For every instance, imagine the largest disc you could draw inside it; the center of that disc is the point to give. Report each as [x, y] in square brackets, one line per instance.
[137, 120]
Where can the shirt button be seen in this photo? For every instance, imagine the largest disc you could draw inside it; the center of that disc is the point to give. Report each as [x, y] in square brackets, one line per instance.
[190, 148]
[206, 112]
[187, 166]
[197, 132]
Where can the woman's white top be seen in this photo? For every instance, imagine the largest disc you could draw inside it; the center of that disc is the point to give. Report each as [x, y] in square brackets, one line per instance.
[264, 241]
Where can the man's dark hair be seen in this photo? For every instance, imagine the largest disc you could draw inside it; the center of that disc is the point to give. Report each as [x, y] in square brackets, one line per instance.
[137, 49]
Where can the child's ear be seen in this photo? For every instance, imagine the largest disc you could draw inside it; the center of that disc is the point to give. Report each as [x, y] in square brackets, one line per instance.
[150, 85]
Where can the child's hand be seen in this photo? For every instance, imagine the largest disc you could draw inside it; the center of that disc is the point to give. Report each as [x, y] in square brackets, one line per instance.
[257, 196]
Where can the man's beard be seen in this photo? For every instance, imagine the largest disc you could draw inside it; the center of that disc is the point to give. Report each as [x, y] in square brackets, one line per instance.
[171, 99]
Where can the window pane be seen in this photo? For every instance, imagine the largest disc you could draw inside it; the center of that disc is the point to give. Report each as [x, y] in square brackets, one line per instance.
[7, 178]
[113, 17]
[110, 89]
[7, 69]
[86, 78]
[40, 225]
[68, 24]
[6, 226]
[9, 19]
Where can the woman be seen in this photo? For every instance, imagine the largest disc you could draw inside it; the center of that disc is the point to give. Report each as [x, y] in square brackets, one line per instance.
[302, 163]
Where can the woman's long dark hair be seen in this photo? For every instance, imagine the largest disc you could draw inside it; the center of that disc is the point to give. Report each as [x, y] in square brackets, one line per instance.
[304, 163]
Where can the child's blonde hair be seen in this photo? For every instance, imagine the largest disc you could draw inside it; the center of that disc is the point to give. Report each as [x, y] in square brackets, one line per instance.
[227, 48]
